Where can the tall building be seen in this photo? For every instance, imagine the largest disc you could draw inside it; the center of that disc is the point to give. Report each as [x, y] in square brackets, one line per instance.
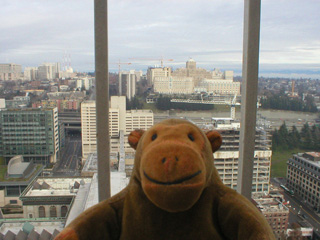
[48, 71]
[10, 71]
[303, 177]
[227, 158]
[138, 119]
[30, 73]
[130, 78]
[85, 83]
[153, 72]
[173, 85]
[120, 120]
[32, 133]
[191, 70]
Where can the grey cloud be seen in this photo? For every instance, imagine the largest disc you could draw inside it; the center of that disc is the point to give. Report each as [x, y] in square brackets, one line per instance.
[208, 30]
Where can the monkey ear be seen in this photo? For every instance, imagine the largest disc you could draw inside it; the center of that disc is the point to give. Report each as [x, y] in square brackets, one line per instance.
[134, 138]
[215, 139]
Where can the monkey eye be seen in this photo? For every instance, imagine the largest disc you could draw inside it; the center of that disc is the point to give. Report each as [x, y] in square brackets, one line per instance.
[191, 137]
[154, 136]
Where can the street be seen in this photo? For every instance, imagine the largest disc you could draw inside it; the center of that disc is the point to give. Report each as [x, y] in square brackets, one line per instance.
[69, 159]
[300, 212]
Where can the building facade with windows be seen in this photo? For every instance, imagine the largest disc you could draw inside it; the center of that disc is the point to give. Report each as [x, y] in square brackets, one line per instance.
[129, 80]
[16, 176]
[119, 120]
[173, 85]
[138, 119]
[191, 70]
[10, 71]
[303, 177]
[48, 71]
[275, 212]
[226, 160]
[32, 133]
[154, 72]
[220, 86]
[50, 197]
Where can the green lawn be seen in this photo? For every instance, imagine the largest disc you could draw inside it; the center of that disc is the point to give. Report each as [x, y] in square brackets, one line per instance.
[279, 161]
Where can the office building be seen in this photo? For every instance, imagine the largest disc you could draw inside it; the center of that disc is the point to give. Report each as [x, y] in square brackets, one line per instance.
[191, 70]
[226, 159]
[153, 72]
[84, 83]
[303, 177]
[275, 212]
[220, 86]
[10, 71]
[48, 71]
[30, 73]
[129, 80]
[32, 133]
[173, 85]
[120, 120]
[138, 119]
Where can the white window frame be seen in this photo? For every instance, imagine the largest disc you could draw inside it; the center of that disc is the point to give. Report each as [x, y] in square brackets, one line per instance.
[250, 69]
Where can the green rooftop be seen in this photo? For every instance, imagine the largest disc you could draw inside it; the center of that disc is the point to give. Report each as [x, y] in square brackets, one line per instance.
[4, 169]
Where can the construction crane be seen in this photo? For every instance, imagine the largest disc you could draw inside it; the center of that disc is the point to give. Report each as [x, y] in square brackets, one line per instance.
[120, 81]
[154, 59]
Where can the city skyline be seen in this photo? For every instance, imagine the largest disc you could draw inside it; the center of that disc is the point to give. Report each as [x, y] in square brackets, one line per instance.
[208, 31]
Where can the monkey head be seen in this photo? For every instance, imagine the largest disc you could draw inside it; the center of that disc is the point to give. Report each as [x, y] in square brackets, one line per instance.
[174, 162]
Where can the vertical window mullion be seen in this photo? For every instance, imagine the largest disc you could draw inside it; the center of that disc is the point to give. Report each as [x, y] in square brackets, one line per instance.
[102, 96]
[250, 69]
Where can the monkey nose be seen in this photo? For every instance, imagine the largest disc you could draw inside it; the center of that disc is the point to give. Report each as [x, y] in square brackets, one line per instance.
[163, 160]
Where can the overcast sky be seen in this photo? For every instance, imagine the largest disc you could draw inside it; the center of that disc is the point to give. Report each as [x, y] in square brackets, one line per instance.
[209, 31]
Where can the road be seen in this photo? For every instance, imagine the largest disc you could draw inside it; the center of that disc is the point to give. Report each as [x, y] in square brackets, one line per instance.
[69, 159]
[299, 211]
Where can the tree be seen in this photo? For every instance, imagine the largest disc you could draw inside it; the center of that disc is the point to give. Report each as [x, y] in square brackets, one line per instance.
[294, 138]
[163, 103]
[315, 133]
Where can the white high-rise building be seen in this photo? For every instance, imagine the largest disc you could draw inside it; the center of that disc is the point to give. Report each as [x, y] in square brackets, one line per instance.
[119, 102]
[119, 120]
[30, 73]
[48, 71]
[157, 72]
[130, 78]
[227, 158]
[85, 83]
[10, 71]
[138, 119]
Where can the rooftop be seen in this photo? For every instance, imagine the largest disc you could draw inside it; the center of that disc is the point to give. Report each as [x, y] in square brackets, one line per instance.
[88, 194]
[56, 186]
[20, 229]
[17, 166]
[9, 181]
[268, 204]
